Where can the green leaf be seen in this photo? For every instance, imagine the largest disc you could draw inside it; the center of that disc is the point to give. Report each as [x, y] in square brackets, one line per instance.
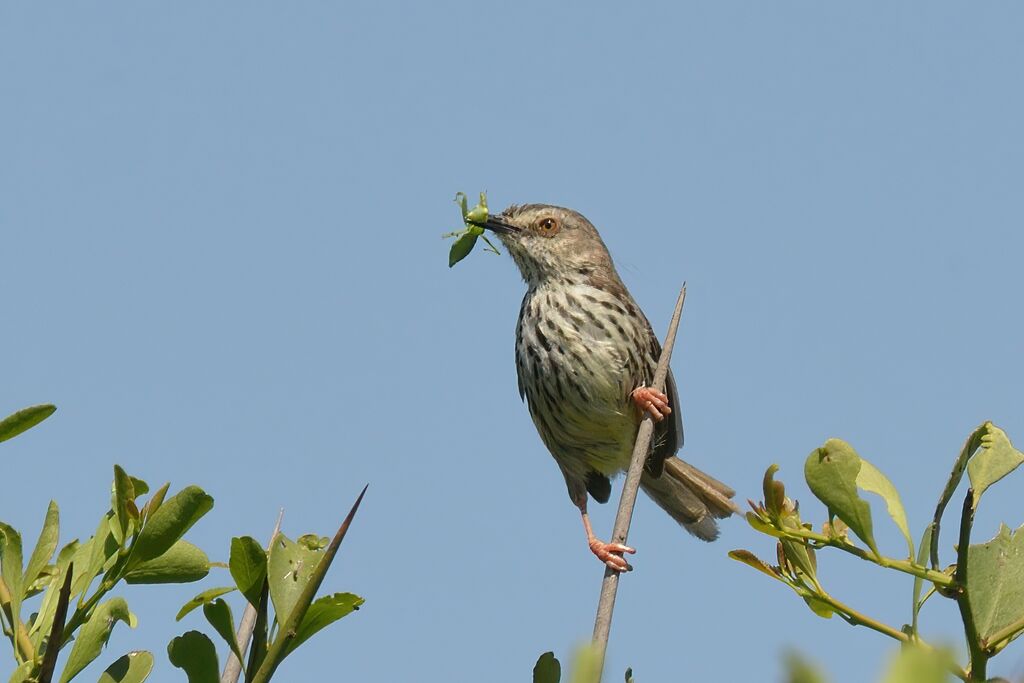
[291, 566]
[831, 472]
[915, 665]
[201, 599]
[24, 419]
[959, 467]
[547, 669]
[871, 479]
[183, 563]
[141, 489]
[461, 248]
[83, 574]
[801, 670]
[154, 502]
[11, 570]
[218, 613]
[94, 635]
[124, 492]
[750, 559]
[248, 564]
[94, 554]
[995, 582]
[994, 460]
[133, 667]
[760, 525]
[46, 544]
[194, 652]
[288, 566]
[322, 613]
[169, 523]
[774, 492]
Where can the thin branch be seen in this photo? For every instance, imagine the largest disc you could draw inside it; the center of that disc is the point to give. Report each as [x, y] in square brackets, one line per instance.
[979, 658]
[858, 619]
[233, 669]
[57, 629]
[905, 566]
[610, 584]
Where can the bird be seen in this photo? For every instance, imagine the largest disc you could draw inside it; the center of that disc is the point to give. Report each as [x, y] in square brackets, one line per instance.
[585, 357]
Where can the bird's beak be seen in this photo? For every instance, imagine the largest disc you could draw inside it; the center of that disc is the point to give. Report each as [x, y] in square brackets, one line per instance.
[498, 224]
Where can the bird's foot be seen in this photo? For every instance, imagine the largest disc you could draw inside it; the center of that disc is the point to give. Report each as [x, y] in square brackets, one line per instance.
[651, 401]
[611, 554]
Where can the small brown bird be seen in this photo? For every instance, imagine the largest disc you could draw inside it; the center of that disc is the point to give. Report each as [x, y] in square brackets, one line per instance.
[585, 355]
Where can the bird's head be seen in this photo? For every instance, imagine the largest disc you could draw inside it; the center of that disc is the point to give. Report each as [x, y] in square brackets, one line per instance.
[551, 243]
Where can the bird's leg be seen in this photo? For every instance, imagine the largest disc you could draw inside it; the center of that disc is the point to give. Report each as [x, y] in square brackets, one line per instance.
[651, 401]
[609, 553]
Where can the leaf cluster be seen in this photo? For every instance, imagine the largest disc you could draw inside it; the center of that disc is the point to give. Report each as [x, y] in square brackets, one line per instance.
[140, 541]
[986, 580]
[134, 542]
[287, 578]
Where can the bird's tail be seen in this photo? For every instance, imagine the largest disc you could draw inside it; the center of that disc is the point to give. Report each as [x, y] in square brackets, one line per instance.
[691, 497]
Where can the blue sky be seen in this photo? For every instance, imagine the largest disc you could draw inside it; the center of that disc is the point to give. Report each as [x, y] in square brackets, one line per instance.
[221, 260]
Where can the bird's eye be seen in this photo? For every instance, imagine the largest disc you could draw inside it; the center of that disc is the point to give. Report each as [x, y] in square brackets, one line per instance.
[548, 227]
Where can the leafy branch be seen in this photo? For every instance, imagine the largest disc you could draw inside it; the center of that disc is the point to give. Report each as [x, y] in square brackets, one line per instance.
[984, 581]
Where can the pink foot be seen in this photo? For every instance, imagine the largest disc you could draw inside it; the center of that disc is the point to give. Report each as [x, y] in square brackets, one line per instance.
[651, 401]
[611, 554]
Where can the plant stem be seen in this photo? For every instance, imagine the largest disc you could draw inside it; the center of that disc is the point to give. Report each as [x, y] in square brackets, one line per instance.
[858, 619]
[57, 628]
[854, 617]
[979, 658]
[610, 583]
[905, 566]
[21, 639]
[83, 613]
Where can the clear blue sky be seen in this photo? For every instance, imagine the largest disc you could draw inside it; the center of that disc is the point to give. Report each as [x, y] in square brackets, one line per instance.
[221, 259]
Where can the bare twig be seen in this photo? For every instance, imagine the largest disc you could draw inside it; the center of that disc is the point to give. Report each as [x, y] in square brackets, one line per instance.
[610, 584]
[233, 669]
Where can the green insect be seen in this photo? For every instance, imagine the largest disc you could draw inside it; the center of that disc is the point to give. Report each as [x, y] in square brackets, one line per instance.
[465, 239]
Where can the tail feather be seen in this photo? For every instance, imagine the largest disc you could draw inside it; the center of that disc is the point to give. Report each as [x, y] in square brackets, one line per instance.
[691, 497]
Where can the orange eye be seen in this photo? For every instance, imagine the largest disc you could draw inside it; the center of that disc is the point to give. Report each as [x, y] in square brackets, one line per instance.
[547, 227]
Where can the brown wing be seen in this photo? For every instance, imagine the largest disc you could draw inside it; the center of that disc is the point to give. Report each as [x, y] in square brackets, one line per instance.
[668, 434]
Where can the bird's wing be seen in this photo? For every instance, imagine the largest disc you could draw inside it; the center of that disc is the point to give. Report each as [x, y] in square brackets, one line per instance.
[676, 428]
[668, 434]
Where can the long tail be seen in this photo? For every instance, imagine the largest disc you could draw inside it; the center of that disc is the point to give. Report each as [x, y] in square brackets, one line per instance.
[691, 497]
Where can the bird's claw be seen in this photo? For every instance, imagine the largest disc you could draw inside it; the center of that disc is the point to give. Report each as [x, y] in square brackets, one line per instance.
[651, 401]
[611, 554]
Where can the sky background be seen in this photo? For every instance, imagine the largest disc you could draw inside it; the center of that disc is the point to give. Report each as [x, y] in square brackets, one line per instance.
[221, 259]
